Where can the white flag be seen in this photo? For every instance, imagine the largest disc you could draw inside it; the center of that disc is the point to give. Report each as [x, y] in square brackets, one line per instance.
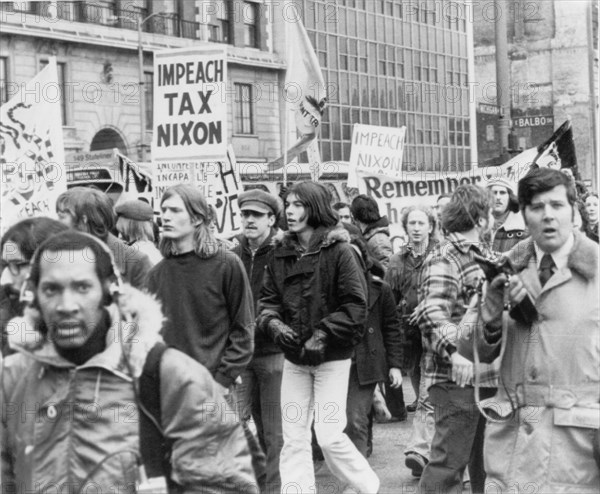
[305, 90]
[32, 157]
[304, 83]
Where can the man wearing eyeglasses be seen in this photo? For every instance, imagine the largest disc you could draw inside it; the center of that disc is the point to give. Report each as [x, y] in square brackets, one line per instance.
[18, 245]
[260, 391]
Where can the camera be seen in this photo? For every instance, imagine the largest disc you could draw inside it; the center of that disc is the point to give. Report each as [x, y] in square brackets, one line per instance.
[525, 311]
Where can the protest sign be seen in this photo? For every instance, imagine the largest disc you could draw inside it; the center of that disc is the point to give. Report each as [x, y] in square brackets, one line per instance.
[219, 181]
[32, 174]
[376, 151]
[190, 104]
[393, 194]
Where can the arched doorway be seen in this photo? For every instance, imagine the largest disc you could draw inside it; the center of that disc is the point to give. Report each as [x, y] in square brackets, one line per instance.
[108, 139]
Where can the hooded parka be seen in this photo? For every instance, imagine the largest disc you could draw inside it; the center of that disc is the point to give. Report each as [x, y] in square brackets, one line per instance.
[74, 428]
[323, 288]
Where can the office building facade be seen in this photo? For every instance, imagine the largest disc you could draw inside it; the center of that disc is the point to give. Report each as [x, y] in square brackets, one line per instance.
[394, 63]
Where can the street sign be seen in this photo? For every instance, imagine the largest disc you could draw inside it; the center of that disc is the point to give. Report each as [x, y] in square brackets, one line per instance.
[533, 121]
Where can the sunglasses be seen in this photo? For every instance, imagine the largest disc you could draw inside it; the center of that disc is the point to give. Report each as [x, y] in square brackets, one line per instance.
[15, 267]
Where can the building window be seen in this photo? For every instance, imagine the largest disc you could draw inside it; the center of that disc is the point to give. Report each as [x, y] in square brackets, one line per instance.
[61, 68]
[149, 98]
[250, 15]
[218, 28]
[29, 7]
[3, 80]
[243, 109]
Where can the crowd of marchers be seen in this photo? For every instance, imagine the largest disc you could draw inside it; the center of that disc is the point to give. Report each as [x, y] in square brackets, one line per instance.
[180, 362]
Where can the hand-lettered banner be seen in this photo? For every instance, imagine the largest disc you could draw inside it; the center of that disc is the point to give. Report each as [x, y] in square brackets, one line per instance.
[376, 151]
[219, 181]
[32, 170]
[190, 105]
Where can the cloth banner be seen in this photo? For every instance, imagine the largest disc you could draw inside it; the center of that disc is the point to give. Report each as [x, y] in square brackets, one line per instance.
[32, 160]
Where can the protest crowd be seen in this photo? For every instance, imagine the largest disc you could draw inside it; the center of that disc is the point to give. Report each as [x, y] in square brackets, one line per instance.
[132, 357]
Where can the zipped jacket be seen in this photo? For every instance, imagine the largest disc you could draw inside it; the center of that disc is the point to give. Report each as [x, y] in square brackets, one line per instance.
[74, 428]
[323, 288]
[255, 264]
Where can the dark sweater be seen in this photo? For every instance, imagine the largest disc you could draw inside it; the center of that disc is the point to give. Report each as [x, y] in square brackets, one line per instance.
[208, 309]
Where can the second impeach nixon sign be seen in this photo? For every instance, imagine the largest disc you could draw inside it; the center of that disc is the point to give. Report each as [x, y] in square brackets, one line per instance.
[376, 151]
[190, 108]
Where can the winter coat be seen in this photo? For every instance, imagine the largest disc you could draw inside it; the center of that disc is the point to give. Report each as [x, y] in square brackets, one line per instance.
[323, 288]
[381, 346]
[550, 369]
[510, 233]
[591, 232]
[133, 264]
[377, 236]
[255, 264]
[77, 416]
[403, 276]
[9, 308]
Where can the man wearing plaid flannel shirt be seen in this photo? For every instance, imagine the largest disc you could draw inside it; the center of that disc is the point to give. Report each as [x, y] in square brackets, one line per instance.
[449, 279]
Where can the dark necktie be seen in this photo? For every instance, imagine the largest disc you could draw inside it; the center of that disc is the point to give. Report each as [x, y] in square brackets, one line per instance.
[547, 268]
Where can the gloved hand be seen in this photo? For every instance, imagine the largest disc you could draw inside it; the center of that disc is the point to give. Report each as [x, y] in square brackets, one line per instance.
[283, 336]
[313, 352]
[493, 302]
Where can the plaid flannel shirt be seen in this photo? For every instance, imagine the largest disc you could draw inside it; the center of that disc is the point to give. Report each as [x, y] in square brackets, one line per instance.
[449, 279]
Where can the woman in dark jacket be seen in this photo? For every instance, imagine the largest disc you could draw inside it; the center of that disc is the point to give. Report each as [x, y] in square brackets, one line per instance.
[314, 304]
[378, 356]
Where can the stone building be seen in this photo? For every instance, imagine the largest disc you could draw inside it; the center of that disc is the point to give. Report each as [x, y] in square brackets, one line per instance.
[96, 45]
[553, 52]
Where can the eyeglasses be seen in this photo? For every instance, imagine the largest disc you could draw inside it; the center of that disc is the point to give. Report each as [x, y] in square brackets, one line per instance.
[14, 267]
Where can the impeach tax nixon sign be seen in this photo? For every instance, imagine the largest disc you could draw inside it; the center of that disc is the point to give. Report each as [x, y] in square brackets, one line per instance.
[190, 107]
[375, 151]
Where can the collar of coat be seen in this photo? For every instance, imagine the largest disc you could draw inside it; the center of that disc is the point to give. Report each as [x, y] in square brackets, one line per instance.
[135, 323]
[464, 246]
[583, 258]
[514, 221]
[274, 235]
[382, 225]
[321, 238]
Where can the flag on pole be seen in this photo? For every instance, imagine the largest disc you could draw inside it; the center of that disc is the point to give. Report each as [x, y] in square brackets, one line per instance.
[558, 151]
[305, 89]
[32, 159]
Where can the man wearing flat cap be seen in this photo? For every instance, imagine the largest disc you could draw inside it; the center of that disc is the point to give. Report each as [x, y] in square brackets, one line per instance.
[509, 227]
[260, 391]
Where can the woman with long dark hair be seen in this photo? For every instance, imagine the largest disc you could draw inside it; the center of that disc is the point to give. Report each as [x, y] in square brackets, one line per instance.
[314, 305]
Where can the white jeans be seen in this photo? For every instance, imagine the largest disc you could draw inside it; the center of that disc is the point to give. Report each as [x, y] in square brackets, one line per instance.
[320, 392]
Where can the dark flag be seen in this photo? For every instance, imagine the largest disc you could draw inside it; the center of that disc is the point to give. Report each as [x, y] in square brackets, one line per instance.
[559, 151]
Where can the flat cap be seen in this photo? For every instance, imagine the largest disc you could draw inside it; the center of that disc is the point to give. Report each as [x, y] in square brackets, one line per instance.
[259, 200]
[135, 210]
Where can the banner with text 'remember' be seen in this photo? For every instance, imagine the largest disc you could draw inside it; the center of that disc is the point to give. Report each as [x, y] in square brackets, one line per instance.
[376, 151]
[393, 194]
[219, 181]
[32, 161]
[190, 104]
